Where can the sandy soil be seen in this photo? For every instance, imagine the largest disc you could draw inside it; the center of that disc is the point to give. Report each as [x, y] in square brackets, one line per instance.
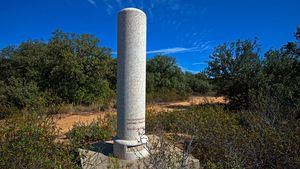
[194, 100]
[66, 121]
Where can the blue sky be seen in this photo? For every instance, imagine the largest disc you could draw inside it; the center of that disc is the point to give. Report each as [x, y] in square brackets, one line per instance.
[185, 29]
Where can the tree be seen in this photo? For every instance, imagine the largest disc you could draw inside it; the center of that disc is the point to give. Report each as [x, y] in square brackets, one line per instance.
[236, 69]
[165, 77]
[280, 98]
[198, 83]
[298, 33]
[78, 69]
[268, 85]
[68, 68]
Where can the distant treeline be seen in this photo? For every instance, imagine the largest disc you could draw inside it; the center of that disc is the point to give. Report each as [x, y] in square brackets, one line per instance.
[75, 69]
[72, 68]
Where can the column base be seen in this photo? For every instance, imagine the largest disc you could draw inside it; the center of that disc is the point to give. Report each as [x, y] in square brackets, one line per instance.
[131, 149]
[100, 156]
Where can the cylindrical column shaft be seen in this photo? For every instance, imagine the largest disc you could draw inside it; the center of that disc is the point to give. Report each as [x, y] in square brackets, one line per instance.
[131, 78]
[131, 81]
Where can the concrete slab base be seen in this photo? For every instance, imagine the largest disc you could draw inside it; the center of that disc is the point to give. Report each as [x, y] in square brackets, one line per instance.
[162, 154]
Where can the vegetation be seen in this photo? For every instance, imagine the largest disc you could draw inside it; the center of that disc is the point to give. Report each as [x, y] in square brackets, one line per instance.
[236, 69]
[82, 136]
[164, 76]
[247, 79]
[259, 128]
[28, 141]
[198, 83]
[68, 69]
[74, 69]
[222, 139]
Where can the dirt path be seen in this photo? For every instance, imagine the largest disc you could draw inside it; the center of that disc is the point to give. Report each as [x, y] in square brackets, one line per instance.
[66, 121]
[194, 100]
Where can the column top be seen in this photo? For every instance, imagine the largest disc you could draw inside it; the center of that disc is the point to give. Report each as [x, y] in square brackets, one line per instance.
[133, 10]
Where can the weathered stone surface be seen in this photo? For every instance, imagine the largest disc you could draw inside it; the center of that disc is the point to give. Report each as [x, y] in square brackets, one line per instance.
[101, 157]
[131, 84]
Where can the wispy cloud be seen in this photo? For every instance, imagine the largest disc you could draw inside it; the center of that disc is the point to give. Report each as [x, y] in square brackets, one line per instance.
[119, 2]
[109, 7]
[173, 50]
[188, 70]
[92, 2]
[199, 63]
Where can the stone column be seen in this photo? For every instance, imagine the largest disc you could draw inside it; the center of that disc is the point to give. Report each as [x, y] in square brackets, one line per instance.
[130, 141]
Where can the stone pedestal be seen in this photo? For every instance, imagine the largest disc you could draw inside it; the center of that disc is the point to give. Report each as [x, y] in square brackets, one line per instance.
[100, 157]
[131, 85]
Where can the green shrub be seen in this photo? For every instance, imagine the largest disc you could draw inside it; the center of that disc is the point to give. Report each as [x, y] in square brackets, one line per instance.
[198, 83]
[165, 95]
[251, 81]
[236, 68]
[69, 68]
[83, 135]
[17, 94]
[165, 80]
[224, 139]
[27, 141]
[279, 98]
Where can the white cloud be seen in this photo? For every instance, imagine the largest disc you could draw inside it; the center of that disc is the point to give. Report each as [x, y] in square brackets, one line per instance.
[200, 63]
[119, 2]
[92, 2]
[109, 9]
[188, 70]
[173, 50]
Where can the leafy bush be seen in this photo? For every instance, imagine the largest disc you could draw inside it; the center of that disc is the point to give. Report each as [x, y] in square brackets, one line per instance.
[167, 82]
[224, 139]
[236, 69]
[72, 69]
[69, 68]
[27, 141]
[165, 79]
[82, 135]
[15, 95]
[279, 97]
[248, 79]
[198, 83]
[165, 95]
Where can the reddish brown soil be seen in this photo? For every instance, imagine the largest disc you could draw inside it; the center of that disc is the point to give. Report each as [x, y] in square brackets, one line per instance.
[66, 121]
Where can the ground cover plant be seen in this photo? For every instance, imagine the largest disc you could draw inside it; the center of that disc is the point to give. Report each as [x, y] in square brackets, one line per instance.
[225, 139]
[28, 141]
